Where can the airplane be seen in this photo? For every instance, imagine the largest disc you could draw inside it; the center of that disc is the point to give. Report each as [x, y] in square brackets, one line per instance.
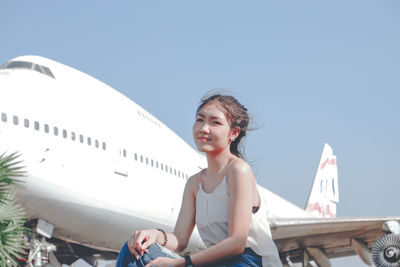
[99, 167]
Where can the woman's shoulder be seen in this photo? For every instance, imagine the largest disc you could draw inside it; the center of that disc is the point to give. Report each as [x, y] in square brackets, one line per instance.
[193, 182]
[239, 166]
[239, 170]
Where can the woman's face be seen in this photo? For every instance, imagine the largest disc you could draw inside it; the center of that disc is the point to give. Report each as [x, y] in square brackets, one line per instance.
[212, 132]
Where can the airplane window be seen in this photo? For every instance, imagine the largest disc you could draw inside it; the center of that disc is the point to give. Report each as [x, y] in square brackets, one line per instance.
[170, 170]
[37, 126]
[96, 143]
[162, 167]
[73, 136]
[175, 172]
[48, 72]
[65, 133]
[15, 120]
[89, 141]
[46, 128]
[37, 68]
[26, 123]
[55, 131]
[152, 163]
[4, 117]
[179, 173]
[166, 168]
[81, 138]
[135, 156]
[18, 65]
[29, 66]
[124, 153]
[147, 161]
[104, 146]
[157, 164]
[141, 158]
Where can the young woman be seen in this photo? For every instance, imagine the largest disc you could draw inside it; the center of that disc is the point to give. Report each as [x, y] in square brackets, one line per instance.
[222, 200]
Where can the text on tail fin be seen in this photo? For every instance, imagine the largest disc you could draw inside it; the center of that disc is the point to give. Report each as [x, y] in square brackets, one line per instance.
[324, 193]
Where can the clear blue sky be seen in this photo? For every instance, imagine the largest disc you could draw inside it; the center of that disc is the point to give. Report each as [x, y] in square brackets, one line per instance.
[309, 72]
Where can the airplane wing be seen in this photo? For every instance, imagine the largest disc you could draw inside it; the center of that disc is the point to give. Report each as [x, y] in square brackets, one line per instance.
[333, 236]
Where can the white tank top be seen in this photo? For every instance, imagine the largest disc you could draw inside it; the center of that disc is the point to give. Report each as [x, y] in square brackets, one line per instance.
[212, 216]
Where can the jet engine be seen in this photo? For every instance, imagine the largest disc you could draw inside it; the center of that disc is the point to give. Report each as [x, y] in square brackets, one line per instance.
[386, 250]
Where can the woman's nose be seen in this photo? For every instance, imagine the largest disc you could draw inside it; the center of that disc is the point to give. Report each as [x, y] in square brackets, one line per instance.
[204, 128]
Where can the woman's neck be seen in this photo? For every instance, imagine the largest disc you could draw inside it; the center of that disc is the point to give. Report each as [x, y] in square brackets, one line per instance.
[217, 162]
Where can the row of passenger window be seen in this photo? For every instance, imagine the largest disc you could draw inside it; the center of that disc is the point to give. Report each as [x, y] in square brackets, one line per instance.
[74, 136]
[56, 131]
[156, 164]
[145, 116]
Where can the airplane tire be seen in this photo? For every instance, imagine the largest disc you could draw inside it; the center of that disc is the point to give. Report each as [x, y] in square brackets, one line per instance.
[386, 251]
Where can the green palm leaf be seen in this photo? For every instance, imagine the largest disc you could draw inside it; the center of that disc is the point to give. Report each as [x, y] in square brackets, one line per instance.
[12, 216]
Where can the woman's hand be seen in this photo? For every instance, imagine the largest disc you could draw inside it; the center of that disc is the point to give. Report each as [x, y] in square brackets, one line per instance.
[139, 241]
[166, 262]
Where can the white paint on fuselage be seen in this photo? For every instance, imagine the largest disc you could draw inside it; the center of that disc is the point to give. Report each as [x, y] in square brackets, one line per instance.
[93, 194]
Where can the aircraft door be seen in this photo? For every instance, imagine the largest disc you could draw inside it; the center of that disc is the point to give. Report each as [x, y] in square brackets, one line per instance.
[121, 163]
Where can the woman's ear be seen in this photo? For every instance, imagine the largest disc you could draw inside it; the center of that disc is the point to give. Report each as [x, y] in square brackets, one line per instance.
[235, 133]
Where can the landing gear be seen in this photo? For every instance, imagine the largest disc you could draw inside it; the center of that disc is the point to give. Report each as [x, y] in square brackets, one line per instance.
[42, 249]
[41, 253]
[386, 251]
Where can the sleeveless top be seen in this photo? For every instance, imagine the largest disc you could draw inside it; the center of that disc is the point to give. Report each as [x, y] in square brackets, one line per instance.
[212, 216]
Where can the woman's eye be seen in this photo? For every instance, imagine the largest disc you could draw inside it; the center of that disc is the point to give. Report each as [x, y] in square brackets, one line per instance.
[199, 120]
[216, 123]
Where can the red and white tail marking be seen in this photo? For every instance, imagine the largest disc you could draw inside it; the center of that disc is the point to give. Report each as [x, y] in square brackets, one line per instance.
[325, 190]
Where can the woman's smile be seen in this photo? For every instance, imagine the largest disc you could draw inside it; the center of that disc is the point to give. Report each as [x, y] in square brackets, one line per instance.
[203, 139]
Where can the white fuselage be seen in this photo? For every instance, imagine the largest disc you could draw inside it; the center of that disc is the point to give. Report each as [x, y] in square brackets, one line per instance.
[98, 165]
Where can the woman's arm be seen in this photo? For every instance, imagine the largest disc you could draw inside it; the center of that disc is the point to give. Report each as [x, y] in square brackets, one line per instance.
[186, 220]
[178, 240]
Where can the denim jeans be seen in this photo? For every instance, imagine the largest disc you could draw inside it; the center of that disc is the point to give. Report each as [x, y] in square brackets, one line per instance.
[127, 259]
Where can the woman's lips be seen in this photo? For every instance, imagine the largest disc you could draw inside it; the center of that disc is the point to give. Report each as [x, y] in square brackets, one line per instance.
[203, 139]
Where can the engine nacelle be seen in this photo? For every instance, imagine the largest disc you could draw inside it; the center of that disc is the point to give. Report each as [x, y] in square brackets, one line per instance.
[386, 250]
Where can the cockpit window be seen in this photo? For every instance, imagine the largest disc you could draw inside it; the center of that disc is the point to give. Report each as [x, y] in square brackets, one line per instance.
[37, 68]
[28, 65]
[18, 65]
[47, 71]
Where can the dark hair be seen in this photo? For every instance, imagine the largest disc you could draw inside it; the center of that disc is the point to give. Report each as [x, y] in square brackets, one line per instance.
[235, 112]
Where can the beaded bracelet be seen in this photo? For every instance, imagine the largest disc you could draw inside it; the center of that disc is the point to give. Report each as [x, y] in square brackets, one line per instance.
[165, 237]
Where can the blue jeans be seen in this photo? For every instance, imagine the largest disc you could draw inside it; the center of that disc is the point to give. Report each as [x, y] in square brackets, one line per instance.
[127, 259]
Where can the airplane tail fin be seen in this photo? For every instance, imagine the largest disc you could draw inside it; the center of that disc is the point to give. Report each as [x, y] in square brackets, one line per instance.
[324, 193]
